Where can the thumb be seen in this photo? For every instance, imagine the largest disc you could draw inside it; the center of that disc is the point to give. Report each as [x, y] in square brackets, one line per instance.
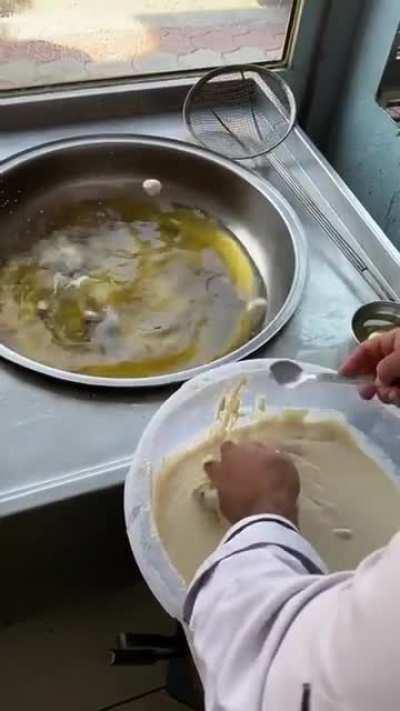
[388, 370]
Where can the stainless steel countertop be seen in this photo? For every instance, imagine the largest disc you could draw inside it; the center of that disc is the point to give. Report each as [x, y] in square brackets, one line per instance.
[60, 440]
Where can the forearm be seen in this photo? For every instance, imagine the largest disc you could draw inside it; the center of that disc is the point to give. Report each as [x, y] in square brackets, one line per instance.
[263, 625]
[235, 608]
[349, 638]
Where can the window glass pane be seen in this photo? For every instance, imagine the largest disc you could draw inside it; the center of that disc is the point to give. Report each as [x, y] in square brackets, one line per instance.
[46, 42]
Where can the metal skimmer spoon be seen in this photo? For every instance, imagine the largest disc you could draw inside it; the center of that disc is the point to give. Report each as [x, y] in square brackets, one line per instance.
[290, 375]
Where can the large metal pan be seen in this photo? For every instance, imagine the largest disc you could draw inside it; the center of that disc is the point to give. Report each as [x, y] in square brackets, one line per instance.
[34, 182]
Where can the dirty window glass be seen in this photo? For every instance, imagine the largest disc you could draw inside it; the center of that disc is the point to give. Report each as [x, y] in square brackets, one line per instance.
[44, 42]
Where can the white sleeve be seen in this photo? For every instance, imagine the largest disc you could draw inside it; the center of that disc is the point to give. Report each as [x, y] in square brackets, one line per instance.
[233, 608]
[267, 625]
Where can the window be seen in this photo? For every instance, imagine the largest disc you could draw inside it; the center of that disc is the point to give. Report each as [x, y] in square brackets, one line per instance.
[48, 42]
[389, 90]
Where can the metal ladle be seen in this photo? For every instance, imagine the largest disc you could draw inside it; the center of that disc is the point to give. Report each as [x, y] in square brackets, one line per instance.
[290, 374]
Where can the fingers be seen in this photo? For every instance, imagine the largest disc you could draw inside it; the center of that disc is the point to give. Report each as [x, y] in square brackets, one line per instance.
[379, 356]
[389, 395]
[394, 396]
[388, 370]
[367, 392]
[227, 448]
[212, 469]
[386, 394]
[383, 393]
[364, 360]
[267, 450]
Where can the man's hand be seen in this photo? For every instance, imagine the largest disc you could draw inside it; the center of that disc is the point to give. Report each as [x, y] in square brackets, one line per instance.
[380, 357]
[255, 479]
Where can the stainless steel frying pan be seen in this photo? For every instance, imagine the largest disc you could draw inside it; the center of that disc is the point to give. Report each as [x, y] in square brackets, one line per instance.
[35, 182]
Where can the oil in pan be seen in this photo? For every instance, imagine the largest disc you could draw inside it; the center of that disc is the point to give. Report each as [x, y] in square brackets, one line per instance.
[123, 288]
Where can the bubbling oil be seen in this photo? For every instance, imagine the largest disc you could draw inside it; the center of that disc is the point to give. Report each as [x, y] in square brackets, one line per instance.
[125, 289]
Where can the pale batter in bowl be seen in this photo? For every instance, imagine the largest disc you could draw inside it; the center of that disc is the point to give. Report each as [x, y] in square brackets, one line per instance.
[349, 505]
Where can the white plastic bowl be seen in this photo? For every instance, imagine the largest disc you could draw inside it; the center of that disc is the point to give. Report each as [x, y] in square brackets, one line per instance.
[187, 415]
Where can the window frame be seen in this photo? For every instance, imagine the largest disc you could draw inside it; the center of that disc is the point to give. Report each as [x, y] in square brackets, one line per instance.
[388, 95]
[39, 107]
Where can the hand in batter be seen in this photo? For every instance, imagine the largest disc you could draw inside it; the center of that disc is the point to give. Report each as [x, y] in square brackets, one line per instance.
[252, 479]
[380, 357]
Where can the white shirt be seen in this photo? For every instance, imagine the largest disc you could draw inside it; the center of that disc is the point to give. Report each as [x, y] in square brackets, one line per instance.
[272, 631]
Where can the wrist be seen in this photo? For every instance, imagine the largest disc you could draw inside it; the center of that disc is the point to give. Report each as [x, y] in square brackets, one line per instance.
[289, 511]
